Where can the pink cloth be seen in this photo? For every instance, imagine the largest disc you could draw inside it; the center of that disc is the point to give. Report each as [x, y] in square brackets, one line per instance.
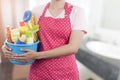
[54, 33]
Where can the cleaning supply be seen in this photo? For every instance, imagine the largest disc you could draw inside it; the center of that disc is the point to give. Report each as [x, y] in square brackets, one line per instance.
[34, 29]
[27, 28]
[15, 34]
[29, 37]
[8, 34]
[27, 16]
[27, 25]
[21, 40]
[32, 20]
[23, 28]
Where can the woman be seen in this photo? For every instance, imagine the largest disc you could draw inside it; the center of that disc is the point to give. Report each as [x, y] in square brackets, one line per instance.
[61, 31]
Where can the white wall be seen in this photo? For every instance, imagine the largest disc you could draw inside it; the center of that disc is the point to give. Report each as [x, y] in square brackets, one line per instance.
[111, 14]
[19, 11]
[104, 17]
[8, 16]
[96, 12]
[6, 12]
[95, 16]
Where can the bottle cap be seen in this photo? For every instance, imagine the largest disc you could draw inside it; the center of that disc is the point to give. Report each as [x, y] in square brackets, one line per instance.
[22, 23]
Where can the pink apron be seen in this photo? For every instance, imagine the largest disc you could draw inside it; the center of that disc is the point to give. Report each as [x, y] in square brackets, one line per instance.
[54, 33]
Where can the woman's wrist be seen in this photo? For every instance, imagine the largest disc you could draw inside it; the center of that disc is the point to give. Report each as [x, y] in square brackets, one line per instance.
[38, 55]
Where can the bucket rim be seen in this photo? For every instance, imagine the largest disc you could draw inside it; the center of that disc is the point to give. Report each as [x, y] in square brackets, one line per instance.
[7, 43]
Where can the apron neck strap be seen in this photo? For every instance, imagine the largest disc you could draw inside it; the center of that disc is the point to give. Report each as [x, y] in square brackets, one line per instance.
[67, 7]
[45, 9]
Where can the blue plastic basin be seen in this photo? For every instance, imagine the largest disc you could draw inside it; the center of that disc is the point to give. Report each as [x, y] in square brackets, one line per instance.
[16, 48]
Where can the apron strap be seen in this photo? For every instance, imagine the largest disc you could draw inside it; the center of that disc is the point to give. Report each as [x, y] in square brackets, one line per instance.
[67, 7]
[45, 9]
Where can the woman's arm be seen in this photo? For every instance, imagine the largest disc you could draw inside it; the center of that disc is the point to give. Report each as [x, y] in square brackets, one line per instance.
[73, 46]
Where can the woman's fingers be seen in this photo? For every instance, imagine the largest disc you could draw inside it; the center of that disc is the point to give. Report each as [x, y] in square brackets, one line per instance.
[26, 50]
[21, 59]
[21, 55]
[7, 47]
[9, 54]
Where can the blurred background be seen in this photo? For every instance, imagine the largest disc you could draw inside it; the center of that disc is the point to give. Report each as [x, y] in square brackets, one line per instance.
[103, 25]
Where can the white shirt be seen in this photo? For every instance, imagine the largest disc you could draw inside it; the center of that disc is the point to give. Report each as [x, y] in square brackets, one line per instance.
[77, 16]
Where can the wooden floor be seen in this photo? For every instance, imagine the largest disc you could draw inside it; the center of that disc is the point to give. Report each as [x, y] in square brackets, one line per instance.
[8, 71]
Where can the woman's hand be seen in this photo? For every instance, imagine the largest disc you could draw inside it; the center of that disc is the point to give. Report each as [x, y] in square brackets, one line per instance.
[7, 52]
[26, 57]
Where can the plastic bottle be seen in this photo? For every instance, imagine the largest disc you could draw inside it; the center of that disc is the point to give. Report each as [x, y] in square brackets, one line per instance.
[21, 40]
[15, 34]
[29, 37]
[23, 28]
[34, 29]
[8, 34]
[32, 20]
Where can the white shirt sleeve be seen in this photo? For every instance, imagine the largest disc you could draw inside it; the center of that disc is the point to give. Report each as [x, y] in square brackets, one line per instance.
[78, 19]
